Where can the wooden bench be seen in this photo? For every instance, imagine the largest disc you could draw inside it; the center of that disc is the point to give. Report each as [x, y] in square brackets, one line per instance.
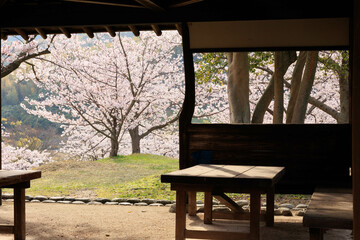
[314, 155]
[329, 209]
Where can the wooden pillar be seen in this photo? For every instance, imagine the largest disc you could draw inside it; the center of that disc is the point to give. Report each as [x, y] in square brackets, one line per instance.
[255, 202]
[19, 213]
[180, 221]
[355, 114]
[189, 101]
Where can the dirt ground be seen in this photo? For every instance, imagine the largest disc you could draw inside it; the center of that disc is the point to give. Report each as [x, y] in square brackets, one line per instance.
[96, 222]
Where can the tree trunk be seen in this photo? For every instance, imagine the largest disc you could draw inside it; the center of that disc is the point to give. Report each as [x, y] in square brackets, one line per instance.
[135, 139]
[344, 94]
[238, 87]
[287, 58]
[114, 147]
[295, 84]
[305, 88]
[278, 90]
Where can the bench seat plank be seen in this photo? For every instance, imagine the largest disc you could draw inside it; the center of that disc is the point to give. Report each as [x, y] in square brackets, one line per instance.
[332, 209]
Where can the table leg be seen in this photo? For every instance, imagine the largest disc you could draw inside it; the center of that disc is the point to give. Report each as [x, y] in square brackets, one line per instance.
[270, 207]
[19, 213]
[192, 203]
[180, 224]
[208, 208]
[255, 215]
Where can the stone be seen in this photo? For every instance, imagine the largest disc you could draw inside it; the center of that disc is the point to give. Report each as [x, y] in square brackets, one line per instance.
[84, 200]
[263, 210]
[57, 199]
[35, 201]
[141, 204]
[172, 208]
[285, 211]
[221, 209]
[78, 202]
[168, 205]
[199, 202]
[102, 200]
[9, 200]
[7, 196]
[201, 209]
[65, 202]
[125, 204]
[277, 212]
[41, 198]
[163, 202]
[156, 205]
[302, 206]
[148, 201]
[133, 200]
[242, 202]
[69, 199]
[49, 201]
[111, 203]
[97, 203]
[300, 213]
[287, 205]
[216, 202]
[28, 198]
[119, 200]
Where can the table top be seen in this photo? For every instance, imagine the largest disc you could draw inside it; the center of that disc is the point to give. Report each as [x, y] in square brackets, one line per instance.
[11, 177]
[225, 174]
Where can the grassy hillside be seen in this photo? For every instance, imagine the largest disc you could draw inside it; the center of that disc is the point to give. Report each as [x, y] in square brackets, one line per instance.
[136, 175]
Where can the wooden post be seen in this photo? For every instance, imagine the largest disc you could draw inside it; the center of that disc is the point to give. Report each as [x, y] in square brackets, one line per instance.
[255, 201]
[355, 114]
[189, 101]
[180, 222]
[19, 213]
[270, 207]
[208, 208]
[192, 208]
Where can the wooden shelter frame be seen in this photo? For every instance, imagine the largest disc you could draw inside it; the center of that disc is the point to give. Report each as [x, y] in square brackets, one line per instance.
[75, 16]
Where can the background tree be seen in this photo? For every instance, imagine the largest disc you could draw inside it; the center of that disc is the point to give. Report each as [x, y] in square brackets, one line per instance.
[106, 88]
[313, 72]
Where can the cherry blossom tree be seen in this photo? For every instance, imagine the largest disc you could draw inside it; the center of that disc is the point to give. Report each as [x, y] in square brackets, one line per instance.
[21, 158]
[16, 52]
[109, 91]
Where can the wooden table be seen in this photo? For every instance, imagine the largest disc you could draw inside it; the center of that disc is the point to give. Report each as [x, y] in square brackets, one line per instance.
[215, 180]
[18, 180]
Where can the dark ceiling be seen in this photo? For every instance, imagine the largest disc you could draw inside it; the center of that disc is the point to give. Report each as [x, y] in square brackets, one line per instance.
[26, 17]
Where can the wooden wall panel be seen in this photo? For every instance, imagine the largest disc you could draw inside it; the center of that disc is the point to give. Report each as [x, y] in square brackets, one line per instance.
[313, 154]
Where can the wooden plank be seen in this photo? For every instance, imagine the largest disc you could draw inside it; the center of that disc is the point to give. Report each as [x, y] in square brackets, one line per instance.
[192, 171]
[228, 202]
[6, 228]
[235, 216]
[216, 235]
[19, 214]
[221, 171]
[262, 172]
[11, 177]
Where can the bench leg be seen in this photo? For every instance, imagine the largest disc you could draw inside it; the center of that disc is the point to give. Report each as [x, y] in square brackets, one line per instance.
[19, 213]
[255, 201]
[270, 207]
[208, 208]
[192, 203]
[180, 222]
[316, 234]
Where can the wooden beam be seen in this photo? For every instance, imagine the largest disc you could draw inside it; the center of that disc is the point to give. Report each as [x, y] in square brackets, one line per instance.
[106, 3]
[355, 115]
[151, 5]
[110, 31]
[41, 32]
[134, 30]
[88, 31]
[65, 32]
[178, 28]
[3, 37]
[22, 33]
[184, 3]
[156, 29]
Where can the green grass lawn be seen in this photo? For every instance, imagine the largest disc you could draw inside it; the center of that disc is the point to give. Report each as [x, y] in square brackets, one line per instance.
[136, 175]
